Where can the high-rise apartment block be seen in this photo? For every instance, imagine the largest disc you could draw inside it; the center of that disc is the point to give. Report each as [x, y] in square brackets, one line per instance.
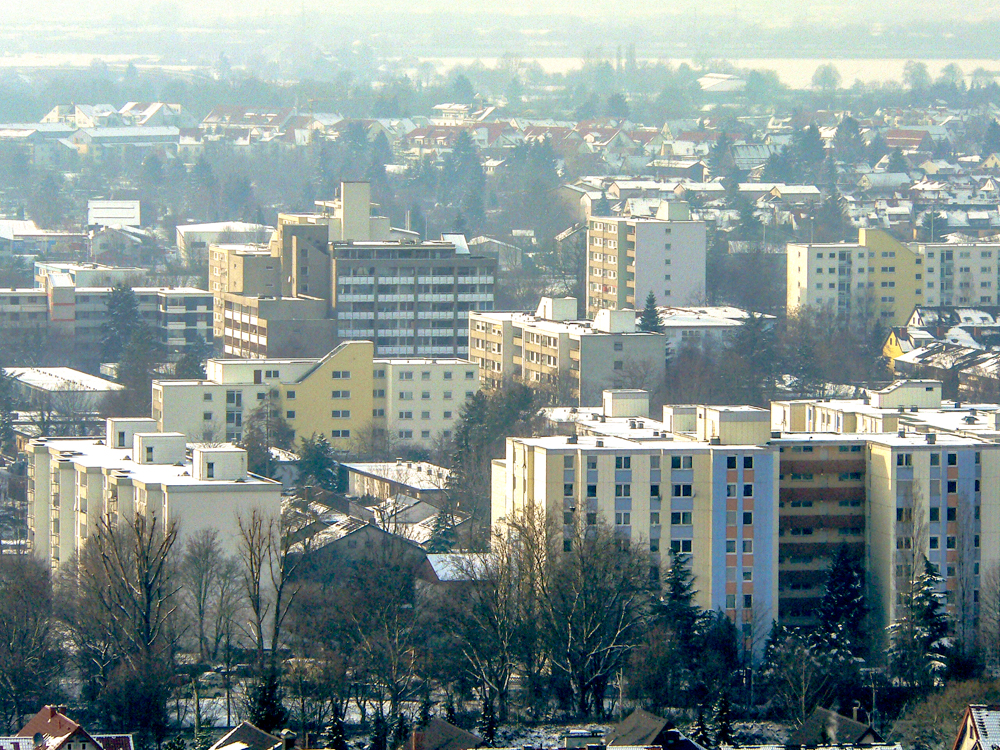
[347, 396]
[576, 359]
[883, 278]
[343, 274]
[711, 495]
[135, 470]
[891, 477]
[627, 258]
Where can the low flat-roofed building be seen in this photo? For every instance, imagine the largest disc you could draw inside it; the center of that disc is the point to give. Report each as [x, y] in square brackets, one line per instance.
[386, 479]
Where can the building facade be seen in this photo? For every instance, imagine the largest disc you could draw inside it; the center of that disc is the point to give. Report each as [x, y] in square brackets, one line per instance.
[627, 258]
[575, 359]
[712, 497]
[74, 483]
[348, 396]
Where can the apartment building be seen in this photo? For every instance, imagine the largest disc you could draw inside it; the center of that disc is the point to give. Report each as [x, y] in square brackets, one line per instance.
[873, 277]
[821, 508]
[934, 495]
[261, 327]
[136, 470]
[345, 395]
[575, 359]
[627, 258]
[368, 279]
[712, 496]
[89, 274]
[180, 317]
[960, 273]
[411, 299]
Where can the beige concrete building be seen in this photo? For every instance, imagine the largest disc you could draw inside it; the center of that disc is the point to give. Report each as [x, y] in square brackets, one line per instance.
[346, 395]
[575, 359]
[876, 277]
[135, 470]
[627, 258]
[711, 495]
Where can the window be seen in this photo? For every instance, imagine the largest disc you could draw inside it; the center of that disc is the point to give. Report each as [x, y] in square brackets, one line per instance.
[425, 395]
[592, 519]
[210, 470]
[568, 490]
[680, 518]
[405, 434]
[149, 453]
[748, 462]
[470, 374]
[952, 487]
[618, 346]
[747, 518]
[654, 490]
[342, 374]
[747, 490]
[377, 412]
[934, 543]
[623, 519]
[748, 546]
[378, 393]
[950, 542]
[619, 365]
[935, 515]
[748, 601]
[748, 575]
[623, 462]
[681, 462]
[340, 433]
[952, 514]
[447, 375]
[406, 376]
[406, 395]
[730, 462]
[207, 416]
[206, 397]
[730, 601]
[654, 545]
[346, 413]
[591, 490]
[425, 375]
[681, 490]
[340, 394]
[654, 519]
[623, 490]
[935, 459]
[290, 414]
[953, 459]
[406, 415]
[447, 395]
[567, 545]
[568, 518]
[290, 395]
[904, 459]
[678, 546]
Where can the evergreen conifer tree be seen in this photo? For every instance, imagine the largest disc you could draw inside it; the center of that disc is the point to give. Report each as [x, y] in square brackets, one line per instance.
[333, 733]
[700, 732]
[723, 721]
[400, 732]
[679, 612]
[380, 733]
[842, 610]
[264, 702]
[488, 721]
[450, 714]
[442, 533]
[918, 637]
[649, 321]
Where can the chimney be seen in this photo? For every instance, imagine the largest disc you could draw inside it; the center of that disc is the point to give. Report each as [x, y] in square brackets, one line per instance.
[288, 738]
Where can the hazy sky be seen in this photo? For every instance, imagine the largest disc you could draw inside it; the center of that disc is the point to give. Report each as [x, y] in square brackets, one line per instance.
[779, 12]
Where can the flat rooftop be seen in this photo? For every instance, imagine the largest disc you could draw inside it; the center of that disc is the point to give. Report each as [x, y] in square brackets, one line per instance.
[62, 379]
